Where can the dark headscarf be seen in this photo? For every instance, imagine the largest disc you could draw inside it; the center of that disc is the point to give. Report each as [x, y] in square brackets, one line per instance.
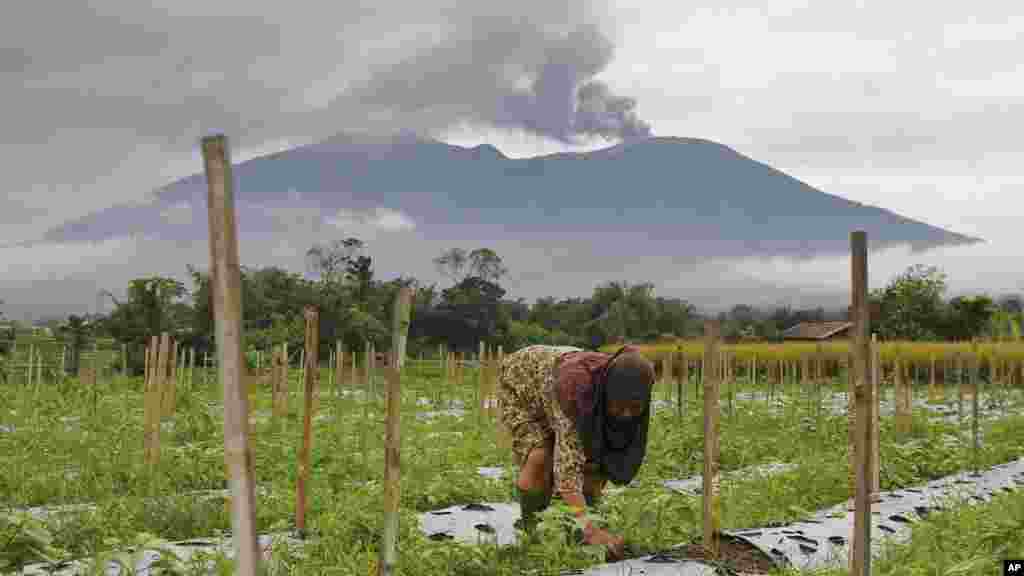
[616, 445]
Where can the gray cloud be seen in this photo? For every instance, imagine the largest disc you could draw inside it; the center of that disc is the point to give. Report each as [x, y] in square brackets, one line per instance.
[110, 102]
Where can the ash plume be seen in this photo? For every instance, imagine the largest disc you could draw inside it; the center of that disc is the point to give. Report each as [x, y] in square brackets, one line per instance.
[512, 70]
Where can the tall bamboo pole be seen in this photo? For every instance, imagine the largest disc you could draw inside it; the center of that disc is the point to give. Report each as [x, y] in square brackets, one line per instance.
[860, 561]
[875, 430]
[226, 294]
[311, 375]
[392, 438]
[712, 502]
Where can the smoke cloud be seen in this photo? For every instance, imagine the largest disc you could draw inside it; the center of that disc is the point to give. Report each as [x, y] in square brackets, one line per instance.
[510, 70]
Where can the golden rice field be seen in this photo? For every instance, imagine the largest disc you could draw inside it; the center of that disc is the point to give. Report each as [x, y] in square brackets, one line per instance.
[1011, 353]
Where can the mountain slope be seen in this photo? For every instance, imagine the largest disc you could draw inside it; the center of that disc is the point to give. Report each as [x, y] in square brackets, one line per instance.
[656, 197]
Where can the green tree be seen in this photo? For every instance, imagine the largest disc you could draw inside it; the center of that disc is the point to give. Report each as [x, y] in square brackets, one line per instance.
[911, 306]
[75, 331]
[1003, 325]
[152, 305]
[457, 265]
[331, 260]
[968, 317]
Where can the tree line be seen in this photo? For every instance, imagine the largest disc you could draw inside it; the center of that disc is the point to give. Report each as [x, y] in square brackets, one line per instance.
[355, 308]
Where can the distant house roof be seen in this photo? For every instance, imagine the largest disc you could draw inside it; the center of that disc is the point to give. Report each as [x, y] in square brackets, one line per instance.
[816, 330]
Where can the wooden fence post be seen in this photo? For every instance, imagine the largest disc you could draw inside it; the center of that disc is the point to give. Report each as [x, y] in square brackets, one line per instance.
[173, 379]
[392, 437]
[711, 495]
[860, 561]
[226, 294]
[875, 428]
[339, 369]
[311, 376]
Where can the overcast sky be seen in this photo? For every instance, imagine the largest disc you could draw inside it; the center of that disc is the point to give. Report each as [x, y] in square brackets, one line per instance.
[912, 106]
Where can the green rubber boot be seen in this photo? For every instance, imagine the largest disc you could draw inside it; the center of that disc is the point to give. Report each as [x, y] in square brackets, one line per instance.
[530, 503]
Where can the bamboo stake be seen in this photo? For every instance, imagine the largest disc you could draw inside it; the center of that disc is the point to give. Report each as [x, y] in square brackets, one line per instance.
[851, 428]
[161, 367]
[286, 383]
[668, 382]
[276, 412]
[903, 399]
[28, 367]
[302, 365]
[366, 370]
[226, 294]
[310, 378]
[860, 561]
[973, 375]
[172, 391]
[504, 437]
[159, 387]
[392, 436]
[712, 503]
[481, 381]
[151, 401]
[339, 369]
[934, 393]
[354, 373]
[681, 384]
[960, 388]
[875, 430]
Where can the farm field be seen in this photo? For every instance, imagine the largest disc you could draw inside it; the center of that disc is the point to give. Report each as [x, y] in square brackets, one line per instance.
[63, 445]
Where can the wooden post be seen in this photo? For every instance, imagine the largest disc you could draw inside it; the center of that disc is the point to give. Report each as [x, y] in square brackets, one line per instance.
[162, 375]
[670, 377]
[903, 397]
[712, 504]
[875, 430]
[277, 381]
[311, 375]
[172, 391]
[354, 372]
[392, 443]
[95, 367]
[28, 365]
[147, 407]
[400, 328]
[152, 402]
[339, 369]
[481, 378]
[684, 380]
[145, 370]
[286, 384]
[226, 294]
[860, 561]
[973, 380]
[504, 436]
[366, 369]
[934, 392]
[302, 365]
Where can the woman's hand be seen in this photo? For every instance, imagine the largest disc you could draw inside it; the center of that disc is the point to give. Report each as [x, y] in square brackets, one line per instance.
[615, 544]
[592, 535]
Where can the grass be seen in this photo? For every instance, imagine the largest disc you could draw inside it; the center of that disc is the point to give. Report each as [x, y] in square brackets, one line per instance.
[69, 445]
